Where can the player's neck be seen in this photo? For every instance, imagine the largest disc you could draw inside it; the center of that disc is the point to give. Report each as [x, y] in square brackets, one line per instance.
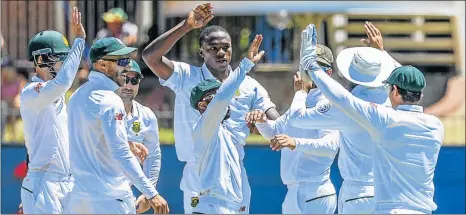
[220, 75]
[129, 108]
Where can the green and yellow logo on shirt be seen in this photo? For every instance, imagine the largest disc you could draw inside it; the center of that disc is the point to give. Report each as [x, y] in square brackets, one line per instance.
[237, 93]
[136, 127]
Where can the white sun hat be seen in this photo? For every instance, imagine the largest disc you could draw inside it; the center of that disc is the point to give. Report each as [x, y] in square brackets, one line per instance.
[365, 66]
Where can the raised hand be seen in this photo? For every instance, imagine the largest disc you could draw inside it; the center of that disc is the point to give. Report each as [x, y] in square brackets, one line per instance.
[308, 61]
[200, 16]
[298, 82]
[76, 24]
[374, 37]
[253, 52]
[282, 141]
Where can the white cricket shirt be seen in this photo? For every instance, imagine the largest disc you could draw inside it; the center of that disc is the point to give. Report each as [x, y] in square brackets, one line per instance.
[142, 127]
[215, 146]
[101, 160]
[407, 144]
[43, 110]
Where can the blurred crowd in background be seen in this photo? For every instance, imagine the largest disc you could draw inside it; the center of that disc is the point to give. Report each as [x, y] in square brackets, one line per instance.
[444, 95]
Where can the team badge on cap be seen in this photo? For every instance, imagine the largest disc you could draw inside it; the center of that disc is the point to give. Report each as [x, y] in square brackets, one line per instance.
[65, 41]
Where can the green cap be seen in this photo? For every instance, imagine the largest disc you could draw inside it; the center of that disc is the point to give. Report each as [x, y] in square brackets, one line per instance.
[46, 42]
[203, 87]
[324, 55]
[109, 46]
[134, 67]
[408, 78]
[115, 15]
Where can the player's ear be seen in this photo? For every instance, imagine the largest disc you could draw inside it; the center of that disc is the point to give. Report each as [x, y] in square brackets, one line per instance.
[201, 53]
[329, 72]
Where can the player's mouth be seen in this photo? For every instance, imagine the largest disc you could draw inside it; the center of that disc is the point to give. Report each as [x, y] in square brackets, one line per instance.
[222, 61]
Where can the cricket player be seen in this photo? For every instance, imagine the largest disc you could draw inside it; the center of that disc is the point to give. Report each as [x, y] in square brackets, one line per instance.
[142, 125]
[367, 68]
[216, 142]
[215, 50]
[101, 160]
[306, 154]
[43, 110]
[406, 141]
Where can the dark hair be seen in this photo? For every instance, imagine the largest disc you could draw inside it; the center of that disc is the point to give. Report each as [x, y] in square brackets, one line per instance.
[208, 31]
[408, 96]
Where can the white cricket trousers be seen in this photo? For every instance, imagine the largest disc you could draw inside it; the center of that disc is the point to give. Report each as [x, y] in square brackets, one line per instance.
[45, 193]
[398, 208]
[356, 198]
[212, 205]
[310, 198]
[190, 187]
[85, 204]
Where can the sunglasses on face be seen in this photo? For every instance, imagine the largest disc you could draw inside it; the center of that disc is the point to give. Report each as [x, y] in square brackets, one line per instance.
[133, 80]
[123, 62]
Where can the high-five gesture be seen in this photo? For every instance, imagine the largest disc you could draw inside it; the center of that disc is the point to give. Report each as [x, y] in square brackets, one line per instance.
[253, 53]
[308, 60]
[374, 37]
[76, 24]
[200, 16]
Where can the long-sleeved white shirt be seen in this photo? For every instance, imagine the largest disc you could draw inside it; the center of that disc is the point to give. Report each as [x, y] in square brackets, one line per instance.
[250, 95]
[43, 110]
[355, 158]
[315, 148]
[101, 160]
[142, 127]
[406, 147]
[215, 147]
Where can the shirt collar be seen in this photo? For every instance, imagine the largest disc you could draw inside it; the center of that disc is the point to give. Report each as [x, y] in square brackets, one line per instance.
[206, 74]
[412, 108]
[37, 79]
[102, 80]
[135, 110]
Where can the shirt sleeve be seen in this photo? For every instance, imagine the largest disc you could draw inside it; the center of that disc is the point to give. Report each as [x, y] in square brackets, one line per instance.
[262, 99]
[327, 145]
[370, 116]
[182, 75]
[270, 128]
[209, 122]
[39, 95]
[114, 129]
[153, 162]
[323, 116]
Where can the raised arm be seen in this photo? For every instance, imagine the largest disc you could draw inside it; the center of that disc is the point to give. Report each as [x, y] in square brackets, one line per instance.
[210, 120]
[43, 94]
[369, 116]
[153, 54]
[114, 130]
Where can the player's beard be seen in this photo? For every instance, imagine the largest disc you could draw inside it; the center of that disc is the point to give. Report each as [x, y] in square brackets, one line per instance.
[127, 95]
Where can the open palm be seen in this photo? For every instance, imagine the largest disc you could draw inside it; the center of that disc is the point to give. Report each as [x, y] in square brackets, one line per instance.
[253, 53]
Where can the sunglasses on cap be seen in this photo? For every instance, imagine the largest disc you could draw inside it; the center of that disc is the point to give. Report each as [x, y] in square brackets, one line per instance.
[123, 62]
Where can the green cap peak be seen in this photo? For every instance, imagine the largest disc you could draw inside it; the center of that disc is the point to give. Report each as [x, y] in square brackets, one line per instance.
[134, 67]
[109, 46]
[407, 77]
[202, 88]
[324, 55]
[48, 42]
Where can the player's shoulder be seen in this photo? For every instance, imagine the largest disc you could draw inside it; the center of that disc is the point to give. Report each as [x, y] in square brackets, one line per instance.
[249, 83]
[31, 89]
[185, 66]
[145, 111]
[106, 99]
